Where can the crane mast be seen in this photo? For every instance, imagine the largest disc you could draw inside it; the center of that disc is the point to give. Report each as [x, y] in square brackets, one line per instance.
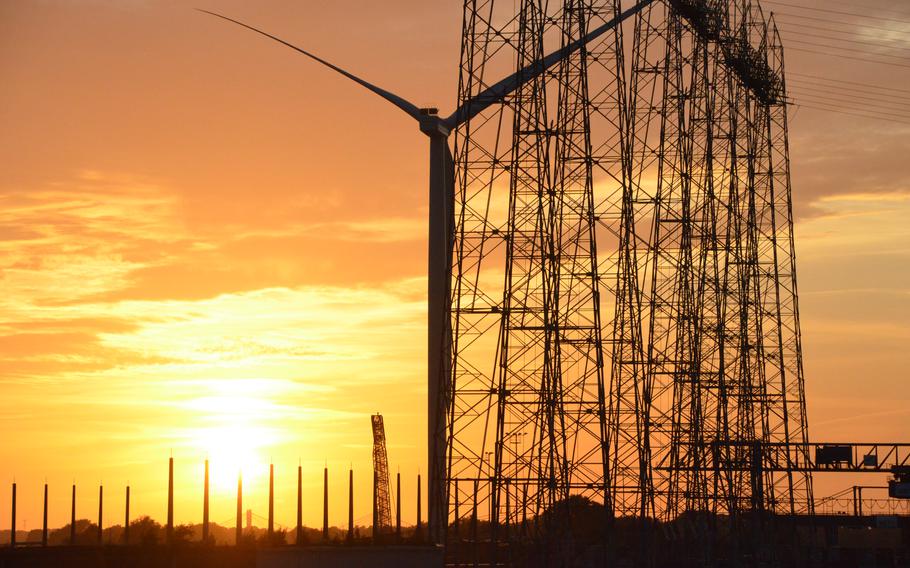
[382, 504]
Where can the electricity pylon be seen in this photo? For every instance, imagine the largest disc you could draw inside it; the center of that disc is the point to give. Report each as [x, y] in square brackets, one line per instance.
[613, 318]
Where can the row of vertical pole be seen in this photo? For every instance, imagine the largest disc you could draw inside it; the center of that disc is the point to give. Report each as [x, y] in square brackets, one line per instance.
[349, 536]
[44, 529]
[239, 526]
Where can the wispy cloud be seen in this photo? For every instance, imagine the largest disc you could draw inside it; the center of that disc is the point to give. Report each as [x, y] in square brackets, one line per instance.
[857, 224]
[134, 332]
[377, 230]
[889, 35]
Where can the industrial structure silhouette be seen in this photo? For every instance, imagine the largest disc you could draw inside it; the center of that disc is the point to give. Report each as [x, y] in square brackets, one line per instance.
[613, 307]
[613, 326]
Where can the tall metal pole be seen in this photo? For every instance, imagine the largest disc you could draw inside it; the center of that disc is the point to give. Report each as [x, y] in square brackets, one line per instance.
[126, 518]
[325, 504]
[419, 528]
[170, 501]
[44, 523]
[351, 504]
[398, 507]
[299, 537]
[12, 531]
[205, 504]
[271, 532]
[238, 530]
[73, 518]
[100, 514]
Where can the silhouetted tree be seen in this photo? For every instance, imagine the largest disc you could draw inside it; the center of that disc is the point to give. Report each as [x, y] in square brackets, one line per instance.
[278, 538]
[147, 532]
[183, 534]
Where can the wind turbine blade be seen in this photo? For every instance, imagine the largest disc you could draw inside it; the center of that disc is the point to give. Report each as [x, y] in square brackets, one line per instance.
[496, 93]
[408, 107]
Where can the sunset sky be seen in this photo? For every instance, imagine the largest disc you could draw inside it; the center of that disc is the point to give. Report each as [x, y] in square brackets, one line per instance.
[211, 247]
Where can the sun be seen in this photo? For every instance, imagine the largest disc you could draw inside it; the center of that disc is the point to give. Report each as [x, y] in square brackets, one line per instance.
[235, 431]
[232, 450]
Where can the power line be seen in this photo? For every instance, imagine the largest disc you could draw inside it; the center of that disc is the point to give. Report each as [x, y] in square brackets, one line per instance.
[859, 105]
[841, 99]
[838, 12]
[852, 107]
[838, 111]
[849, 108]
[856, 41]
[830, 80]
[852, 112]
[877, 9]
[852, 50]
[847, 89]
[848, 57]
[828, 21]
[804, 84]
[848, 94]
[802, 26]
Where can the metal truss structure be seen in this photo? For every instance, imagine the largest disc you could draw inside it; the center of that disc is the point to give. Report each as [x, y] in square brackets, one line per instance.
[625, 327]
[382, 501]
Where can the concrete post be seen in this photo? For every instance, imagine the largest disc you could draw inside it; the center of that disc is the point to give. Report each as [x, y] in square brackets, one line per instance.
[205, 504]
[350, 505]
[325, 504]
[12, 531]
[238, 529]
[44, 523]
[417, 532]
[299, 536]
[271, 532]
[73, 518]
[398, 507]
[100, 514]
[126, 518]
[170, 502]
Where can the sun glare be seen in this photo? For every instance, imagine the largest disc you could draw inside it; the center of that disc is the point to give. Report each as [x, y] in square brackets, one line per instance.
[234, 434]
[233, 449]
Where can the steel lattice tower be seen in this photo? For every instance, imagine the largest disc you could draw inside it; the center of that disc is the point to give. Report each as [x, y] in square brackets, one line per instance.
[624, 317]
[382, 506]
[707, 372]
[613, 325]
[528, 422]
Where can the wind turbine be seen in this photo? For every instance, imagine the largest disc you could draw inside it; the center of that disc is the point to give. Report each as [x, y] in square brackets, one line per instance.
[441, 232]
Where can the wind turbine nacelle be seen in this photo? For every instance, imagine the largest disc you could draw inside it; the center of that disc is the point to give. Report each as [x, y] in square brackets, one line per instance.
[431, 124]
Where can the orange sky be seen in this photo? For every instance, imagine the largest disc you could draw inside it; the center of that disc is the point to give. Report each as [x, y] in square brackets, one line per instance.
[212, 247]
